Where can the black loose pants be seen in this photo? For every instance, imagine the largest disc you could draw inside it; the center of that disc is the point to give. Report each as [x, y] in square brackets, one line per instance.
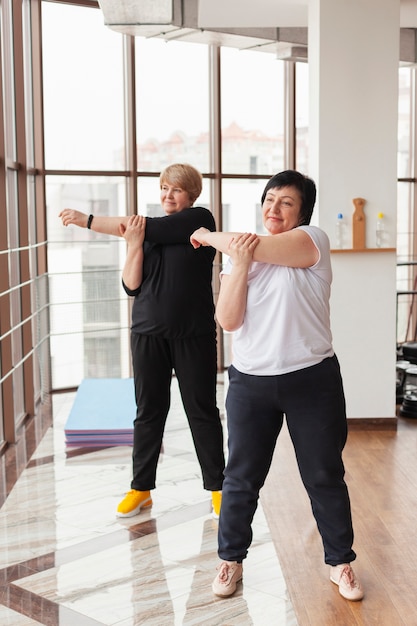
[194, 360]
[313, 402]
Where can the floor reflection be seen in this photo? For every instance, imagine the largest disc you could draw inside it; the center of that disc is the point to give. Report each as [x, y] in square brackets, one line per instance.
[66, 559]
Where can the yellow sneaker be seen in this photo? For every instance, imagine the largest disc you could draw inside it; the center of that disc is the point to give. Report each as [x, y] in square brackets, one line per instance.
[216, 500]
[133, 502]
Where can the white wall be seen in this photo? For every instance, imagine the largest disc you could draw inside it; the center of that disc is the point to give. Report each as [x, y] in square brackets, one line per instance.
[353, 60]
[363, 314]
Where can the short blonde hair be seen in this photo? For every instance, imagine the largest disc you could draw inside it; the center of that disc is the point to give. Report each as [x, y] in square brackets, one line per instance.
[185, 176]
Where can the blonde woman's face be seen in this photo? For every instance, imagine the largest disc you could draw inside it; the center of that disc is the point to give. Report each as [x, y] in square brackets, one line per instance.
[174, 199]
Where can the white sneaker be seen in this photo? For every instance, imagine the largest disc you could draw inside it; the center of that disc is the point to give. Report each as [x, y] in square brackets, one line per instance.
[225, 583]
[349, 586]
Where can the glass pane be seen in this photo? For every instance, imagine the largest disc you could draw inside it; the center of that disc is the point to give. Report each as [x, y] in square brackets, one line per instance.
[172, 104]
[83, 89]
[15, 296]
[405, 106]
[29, 95]
[301, 116]
[89, 310]
[405, 221]
[406, 270]
[252, 112]
[7, 77]
[241, 206]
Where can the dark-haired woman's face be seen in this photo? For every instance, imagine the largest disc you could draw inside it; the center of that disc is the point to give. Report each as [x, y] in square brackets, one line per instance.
[281, 209]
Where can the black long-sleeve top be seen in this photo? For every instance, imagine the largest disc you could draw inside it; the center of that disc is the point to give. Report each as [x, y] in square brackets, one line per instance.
[175, 298]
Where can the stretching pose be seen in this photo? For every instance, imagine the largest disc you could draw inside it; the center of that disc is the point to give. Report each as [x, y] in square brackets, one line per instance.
[274, 295]
[173, 328]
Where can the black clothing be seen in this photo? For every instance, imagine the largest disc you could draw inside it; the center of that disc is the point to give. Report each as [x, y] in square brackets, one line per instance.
[316, 420]
[175, 298]
[173, 328]
[194, 361]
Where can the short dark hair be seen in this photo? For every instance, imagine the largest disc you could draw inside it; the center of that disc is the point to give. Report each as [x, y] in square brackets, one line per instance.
[305, 186]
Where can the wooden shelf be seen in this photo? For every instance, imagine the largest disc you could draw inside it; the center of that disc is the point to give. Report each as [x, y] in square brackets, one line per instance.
[356, 250]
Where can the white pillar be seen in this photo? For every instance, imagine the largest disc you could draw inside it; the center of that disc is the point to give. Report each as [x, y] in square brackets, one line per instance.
[353, 53]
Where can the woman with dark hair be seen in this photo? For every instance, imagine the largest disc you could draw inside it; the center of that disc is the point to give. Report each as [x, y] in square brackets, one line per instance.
[173, 328]
[274, 296]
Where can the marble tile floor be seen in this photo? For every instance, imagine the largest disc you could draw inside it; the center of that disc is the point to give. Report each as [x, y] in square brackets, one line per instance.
[66, 560]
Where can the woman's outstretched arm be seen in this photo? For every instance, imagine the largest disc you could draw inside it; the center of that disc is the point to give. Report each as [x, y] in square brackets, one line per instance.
[107, 225]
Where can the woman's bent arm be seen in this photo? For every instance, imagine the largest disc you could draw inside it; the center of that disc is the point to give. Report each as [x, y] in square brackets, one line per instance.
[134, 233]
[231, 304]
[293, 248]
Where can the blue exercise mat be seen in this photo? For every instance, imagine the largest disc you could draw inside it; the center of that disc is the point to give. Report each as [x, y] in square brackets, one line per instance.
[102, 414]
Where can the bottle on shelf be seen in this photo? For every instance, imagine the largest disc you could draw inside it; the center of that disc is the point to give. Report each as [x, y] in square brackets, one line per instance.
[341, 232]
[381, 233]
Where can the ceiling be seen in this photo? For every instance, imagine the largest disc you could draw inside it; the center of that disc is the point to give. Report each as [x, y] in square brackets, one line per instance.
[223, 22]
[284, 13]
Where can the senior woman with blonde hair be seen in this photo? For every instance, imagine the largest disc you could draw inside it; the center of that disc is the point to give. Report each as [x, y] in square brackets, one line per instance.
[173, 329]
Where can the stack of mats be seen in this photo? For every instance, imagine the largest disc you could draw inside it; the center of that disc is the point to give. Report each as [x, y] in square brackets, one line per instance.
[102, 414]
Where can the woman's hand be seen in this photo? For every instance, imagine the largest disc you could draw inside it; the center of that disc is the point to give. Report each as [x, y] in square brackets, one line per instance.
[134, 230]
[71, 216]
[197, 239]
[231, 303]
[241, 249]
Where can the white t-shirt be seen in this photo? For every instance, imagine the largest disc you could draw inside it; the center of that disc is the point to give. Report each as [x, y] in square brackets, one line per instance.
[287, 320]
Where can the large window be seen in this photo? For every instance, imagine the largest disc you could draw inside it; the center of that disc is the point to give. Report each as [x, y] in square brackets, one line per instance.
[22, 247]
[302, 117]
[85, 93]
[84, 131]
[86, 298]
[252, 112]
[174, 86]
[172, 104]
[83, 90]
[406, 209]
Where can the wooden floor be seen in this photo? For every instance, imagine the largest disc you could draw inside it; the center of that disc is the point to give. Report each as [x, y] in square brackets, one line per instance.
[381, 473]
